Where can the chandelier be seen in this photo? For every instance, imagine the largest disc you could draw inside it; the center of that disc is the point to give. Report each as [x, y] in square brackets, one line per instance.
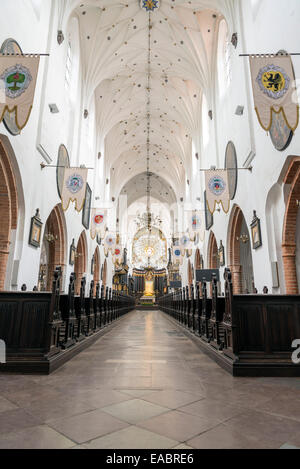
[147, 220]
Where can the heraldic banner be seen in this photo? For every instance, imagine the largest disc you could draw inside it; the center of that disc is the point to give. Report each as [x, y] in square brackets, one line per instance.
[99, 220]
[17, 80]
[177, 255]
[74, 187]
[117, 254]
[110, 241]
[273, 85]
[196, 223]
[217, 189]
[184, 242]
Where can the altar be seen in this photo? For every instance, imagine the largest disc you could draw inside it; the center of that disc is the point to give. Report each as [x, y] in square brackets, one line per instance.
[148, 297]
[149, 283]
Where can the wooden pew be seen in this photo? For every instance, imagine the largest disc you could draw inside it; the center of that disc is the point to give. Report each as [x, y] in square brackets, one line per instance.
[79, 303]
[188, 306]
[259, 331]
[216, 328]
[106, 304]
[66, 304]
[197, 328]
[89, 311]
[181, 308]
[97, 309]
[29, 325]
[102, 307]
[205, 313]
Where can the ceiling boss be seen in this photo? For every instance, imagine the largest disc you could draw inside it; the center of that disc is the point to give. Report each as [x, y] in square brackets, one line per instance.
[150, 5]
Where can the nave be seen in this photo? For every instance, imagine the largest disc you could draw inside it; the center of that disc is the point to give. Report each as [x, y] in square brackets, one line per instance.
[145, 384]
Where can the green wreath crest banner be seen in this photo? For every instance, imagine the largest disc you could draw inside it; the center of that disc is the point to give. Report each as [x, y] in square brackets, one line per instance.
[273, 84]
[18, 76]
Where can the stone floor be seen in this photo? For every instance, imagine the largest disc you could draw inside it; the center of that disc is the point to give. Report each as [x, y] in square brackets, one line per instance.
[146, 385]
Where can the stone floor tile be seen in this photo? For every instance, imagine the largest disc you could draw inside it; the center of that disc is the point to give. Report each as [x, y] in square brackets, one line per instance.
[88, 426]
[16, 419]
[265, 427]
[212, 409]
[135, 410]
[140, 392]
[172, 398]
[132, 438]
[55, 409]
[177, 425]
[222, 437]
[39, 437]
[6, 405]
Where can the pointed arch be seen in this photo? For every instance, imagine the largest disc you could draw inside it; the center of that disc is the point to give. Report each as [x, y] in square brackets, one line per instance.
[238, 251]
[81, 257]
[197, 259]
[96, 269]
[289, 238]
[104, 273]
[54, 251]
[212, 252]
[8, 209]
[190, 273]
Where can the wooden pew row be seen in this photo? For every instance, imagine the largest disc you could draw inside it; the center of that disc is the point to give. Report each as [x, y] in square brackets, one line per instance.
[44, 330]
[248, 335]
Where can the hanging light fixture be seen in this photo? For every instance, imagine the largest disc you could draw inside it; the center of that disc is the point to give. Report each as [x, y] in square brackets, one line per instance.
[148, 110]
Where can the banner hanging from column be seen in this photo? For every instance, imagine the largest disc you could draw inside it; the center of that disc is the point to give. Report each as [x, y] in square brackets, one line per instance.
[185, 242]
[74, 187]
[110, 242]
[196, 223]
[177, 256]
[18, 77]
[99, 221]
[273, 84]
[217, 190]
[117, 254]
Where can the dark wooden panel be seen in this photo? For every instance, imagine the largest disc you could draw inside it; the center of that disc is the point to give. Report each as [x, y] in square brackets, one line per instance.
[251, 327]
[283, 326]
[10, 321]
[34, 325]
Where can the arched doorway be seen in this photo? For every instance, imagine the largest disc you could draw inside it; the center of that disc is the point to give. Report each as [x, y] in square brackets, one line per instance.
[80, 261]
[239, 253]
[104, 274]
[198, 260]
[190, 273]
[53, 252]
[212, 252]
[212, 255]
[96, 268]
[8, 210]
[291, 230]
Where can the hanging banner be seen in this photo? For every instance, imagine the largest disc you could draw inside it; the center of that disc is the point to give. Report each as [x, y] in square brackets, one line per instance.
[217, 189]
[117, 254]
[110, 241]
[184, 243]
[74, 188]
[18, 77]
[177, 256]
[196, 224]
[273, 86]
[98, 224]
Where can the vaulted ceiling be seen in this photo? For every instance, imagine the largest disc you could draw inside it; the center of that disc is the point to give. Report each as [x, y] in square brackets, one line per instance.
[116, 36]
